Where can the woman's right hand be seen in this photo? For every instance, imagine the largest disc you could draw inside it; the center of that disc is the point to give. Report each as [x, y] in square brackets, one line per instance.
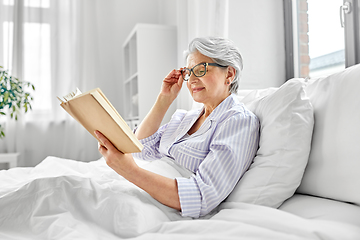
[170, 89]
[172, 84]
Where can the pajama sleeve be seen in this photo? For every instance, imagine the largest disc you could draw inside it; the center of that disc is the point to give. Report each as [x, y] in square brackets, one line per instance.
[152, 143]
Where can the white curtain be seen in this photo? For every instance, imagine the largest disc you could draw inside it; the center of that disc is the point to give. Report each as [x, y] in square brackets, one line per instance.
[43, 42]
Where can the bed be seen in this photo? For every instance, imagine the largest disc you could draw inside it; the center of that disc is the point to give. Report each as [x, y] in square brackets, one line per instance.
[303, 183]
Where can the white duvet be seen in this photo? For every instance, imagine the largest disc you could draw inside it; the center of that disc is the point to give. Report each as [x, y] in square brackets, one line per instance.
[65, 199]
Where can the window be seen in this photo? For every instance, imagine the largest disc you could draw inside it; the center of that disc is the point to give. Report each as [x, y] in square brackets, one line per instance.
[318, 44]
[32, 43]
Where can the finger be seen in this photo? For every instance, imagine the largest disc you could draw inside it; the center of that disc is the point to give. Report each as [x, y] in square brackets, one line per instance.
[104, 141]
[100, 137]
[101, 146]
[178, 76]
[174, 78]
[102, 150]
[180, 82]
[172, 75]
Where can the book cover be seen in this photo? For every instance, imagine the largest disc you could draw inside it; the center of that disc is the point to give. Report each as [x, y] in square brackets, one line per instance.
[95, 112]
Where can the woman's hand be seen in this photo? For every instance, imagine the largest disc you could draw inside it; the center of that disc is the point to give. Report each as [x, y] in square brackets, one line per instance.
[159, 187]
[172, 84]
[121, 163]
[170, 88]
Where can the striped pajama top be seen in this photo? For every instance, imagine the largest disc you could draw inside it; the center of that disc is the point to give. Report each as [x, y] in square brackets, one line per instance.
[218, 153]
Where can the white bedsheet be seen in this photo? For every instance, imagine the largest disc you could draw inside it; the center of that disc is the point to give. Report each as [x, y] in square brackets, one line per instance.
[65, 199]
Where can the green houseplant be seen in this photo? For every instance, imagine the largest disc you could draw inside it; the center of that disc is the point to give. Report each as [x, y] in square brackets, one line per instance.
[13, 96]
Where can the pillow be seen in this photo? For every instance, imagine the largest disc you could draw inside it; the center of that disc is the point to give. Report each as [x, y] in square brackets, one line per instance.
[286, 118]
[333, 170]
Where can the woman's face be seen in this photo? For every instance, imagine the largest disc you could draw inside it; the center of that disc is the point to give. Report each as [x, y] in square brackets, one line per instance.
[210, 89]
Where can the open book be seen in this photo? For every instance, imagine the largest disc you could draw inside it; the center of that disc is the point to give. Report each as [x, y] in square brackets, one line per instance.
[95, 112]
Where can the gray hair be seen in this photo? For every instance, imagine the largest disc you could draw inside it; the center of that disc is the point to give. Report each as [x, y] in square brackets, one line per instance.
[222, 51]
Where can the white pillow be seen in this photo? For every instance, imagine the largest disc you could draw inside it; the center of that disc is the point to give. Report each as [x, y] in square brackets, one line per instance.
[333, 170]
[286, 118]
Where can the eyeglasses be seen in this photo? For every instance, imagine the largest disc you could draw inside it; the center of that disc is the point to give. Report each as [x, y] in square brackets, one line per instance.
[198, 70]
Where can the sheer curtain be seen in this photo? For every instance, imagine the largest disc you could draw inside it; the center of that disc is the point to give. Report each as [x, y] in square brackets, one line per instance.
[43, 42]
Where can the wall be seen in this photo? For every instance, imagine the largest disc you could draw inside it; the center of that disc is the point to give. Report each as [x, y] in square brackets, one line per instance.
[303, 33]
[116, 19]
[257, 28]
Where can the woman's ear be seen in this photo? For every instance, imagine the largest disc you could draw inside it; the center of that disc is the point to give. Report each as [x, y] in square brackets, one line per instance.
[230, 75]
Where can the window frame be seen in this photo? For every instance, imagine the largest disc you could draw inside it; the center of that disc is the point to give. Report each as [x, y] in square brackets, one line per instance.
[289, 40]
[352, 34]
[351, 29]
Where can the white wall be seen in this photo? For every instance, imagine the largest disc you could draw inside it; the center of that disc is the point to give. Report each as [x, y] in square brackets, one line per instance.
[116, 19]
[257, 28]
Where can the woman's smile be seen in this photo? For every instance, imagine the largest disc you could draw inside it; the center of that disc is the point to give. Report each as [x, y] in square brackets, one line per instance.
[197, 89]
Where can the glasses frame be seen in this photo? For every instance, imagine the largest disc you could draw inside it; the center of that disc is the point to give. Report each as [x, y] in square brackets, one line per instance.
[205, 65]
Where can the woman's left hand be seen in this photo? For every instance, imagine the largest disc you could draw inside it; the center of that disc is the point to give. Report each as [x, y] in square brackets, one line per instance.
[159, 187]
[121, 163]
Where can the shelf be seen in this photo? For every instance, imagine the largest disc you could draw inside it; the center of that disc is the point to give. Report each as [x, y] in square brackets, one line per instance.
[133, 119]
[150, 52]
[130, 56]
[131, 78]
[131, 98]
[135, 97]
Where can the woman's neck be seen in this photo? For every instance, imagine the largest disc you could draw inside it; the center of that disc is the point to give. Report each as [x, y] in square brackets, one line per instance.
[209, 108]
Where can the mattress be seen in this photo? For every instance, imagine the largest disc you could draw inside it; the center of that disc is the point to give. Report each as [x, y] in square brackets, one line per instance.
[321, 208]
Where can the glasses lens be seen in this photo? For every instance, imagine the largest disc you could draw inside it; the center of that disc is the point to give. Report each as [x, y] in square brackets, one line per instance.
[186, 74]
[199, 70]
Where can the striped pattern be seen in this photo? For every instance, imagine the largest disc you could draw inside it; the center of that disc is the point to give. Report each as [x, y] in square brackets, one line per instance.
[218, 153]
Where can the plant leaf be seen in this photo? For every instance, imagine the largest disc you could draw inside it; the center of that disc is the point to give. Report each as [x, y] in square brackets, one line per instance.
[6, 96]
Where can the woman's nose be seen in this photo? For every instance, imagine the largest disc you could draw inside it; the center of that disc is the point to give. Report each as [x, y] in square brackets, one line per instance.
[192, 78]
